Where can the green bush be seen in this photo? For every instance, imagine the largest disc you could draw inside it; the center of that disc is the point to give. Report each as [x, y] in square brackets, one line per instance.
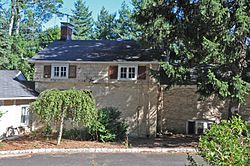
[47, 130]
[110, 127]
[227, 143]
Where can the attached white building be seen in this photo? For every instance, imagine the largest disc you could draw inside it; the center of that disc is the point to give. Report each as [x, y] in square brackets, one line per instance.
[16, 94]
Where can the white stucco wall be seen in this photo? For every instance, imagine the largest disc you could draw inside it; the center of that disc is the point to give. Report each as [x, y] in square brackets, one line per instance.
[11, 117]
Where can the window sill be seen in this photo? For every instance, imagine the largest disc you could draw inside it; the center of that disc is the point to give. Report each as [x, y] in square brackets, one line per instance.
[59, 78]
[127, 79]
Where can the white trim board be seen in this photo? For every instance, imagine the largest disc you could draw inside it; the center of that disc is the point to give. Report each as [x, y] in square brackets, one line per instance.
[18, 98]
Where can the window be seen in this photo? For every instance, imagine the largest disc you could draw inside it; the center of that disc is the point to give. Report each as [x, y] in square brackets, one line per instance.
[198, 126]
[123, 73]
[25, 115]
[60, 71]
[131, 72]
[127, 72]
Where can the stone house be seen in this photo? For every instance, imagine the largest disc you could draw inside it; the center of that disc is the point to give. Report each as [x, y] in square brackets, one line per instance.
[16, 94]
[118, 74]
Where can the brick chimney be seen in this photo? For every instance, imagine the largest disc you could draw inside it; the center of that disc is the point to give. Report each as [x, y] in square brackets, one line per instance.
[66, 31]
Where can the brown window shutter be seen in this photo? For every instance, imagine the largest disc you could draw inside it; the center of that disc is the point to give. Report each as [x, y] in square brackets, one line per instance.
[47, 71]
[72, 71]
[113, 72]
[142, 72]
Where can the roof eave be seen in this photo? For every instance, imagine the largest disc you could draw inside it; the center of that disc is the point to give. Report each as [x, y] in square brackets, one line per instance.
[94, 62]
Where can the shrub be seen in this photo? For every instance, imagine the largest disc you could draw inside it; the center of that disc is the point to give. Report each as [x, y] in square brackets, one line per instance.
[227, 143]
[110, 127]
[76, 134]
[47, 130]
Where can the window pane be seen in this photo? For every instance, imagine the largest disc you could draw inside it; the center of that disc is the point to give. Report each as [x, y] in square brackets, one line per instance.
[56, 71]
[131, 73]
[63, 71]
[25, 115]
[123, 72]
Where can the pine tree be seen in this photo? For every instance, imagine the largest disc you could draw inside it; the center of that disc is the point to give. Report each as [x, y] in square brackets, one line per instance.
[206, 35]
[126, 26]
[5, 50]
[105, 26]
[82, 21]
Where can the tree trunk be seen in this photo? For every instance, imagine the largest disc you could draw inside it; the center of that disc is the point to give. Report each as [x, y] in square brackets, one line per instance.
[18, 17]
[234, 108]
[61, 128]
[12, 17]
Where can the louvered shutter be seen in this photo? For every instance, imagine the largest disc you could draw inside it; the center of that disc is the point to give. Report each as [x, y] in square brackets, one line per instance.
[142, 72]
[72, 71]
[47, 71]
[113, 72]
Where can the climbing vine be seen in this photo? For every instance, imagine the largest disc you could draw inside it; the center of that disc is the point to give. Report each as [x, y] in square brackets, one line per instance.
[53, 106]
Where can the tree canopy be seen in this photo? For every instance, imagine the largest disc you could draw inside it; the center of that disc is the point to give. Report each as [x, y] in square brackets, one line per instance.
[208, 37]
[20, 32]
[82, 21]
[53, 106]
[126, 26]
[28, 15]
[105, 26]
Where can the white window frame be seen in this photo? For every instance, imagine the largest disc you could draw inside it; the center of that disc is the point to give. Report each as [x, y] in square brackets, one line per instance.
[127, 74]
[205, 125]
[27, 115]
[59, 65]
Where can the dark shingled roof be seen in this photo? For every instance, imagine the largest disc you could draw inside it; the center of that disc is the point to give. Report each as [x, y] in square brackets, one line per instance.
[14, 85]
[95, 50]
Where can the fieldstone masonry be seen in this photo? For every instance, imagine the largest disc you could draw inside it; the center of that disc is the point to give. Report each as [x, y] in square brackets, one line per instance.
[146, 107]
[137, 100]
[182, 103]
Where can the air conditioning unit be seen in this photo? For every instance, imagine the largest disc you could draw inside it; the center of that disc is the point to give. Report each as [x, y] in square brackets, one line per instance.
[197, 126]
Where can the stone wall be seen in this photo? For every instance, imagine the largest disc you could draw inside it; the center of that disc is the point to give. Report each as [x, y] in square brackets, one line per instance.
[182, 103]
[137, 100]
[146, 107]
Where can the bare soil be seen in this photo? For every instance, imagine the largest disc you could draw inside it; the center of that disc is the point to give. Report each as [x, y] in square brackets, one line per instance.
[37, 142]
[31, 142]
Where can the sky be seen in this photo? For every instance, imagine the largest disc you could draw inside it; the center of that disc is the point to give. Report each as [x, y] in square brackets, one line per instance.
[94, 5]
